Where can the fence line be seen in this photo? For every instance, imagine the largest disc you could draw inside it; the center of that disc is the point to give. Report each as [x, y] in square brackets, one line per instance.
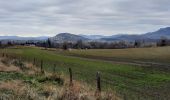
[99, 81]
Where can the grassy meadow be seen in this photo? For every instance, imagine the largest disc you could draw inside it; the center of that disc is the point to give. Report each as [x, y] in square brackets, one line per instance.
[131, 82]
[154, 54]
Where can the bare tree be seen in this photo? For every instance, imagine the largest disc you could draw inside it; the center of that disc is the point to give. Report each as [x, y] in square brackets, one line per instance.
[163, 41]
[65, 46]
[0, 44]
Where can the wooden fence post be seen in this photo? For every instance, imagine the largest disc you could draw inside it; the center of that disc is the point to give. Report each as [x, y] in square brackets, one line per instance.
[71, 77]
[3, 55]
[34, 62]
[98, 81]
[124, 97]
[41, 66]
[20, 58]
[54, 68]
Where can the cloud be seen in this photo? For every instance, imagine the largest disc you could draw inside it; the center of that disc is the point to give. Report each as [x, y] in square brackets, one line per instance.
[107, 17]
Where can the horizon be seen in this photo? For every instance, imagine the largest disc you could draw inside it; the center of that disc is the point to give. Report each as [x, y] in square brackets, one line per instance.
[81, 34]
[109, 17]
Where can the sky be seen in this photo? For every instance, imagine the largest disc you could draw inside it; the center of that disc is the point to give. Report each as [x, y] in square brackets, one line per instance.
[99, 17]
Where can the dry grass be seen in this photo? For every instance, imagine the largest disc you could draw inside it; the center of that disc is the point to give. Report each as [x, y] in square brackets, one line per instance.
[18, 91]
[81, 91]
[8, 67]
[47, 90]
[32, 70]
[75, 92]
[52, 92]
[14, 85]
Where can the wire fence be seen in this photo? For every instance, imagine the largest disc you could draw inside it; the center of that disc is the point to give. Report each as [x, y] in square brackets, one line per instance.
[102, 81]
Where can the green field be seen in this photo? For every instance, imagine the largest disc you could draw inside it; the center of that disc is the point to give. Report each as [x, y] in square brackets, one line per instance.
[155, 54]
[130, 81]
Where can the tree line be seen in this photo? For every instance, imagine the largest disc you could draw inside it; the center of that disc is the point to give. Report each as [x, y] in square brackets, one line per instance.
[88, 45]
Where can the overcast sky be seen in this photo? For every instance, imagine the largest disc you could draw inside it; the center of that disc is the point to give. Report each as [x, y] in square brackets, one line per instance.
[102, 17]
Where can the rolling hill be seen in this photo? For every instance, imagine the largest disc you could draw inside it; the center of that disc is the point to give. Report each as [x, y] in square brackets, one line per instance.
[151, 36]
[162, 32]
[67, 37]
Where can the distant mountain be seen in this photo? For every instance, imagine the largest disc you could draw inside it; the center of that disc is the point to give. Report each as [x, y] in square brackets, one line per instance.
[8, 37]
[151, 36]
[119, 37]
[22, 38]
[94, 37]
[162, 32]
[67, 37]
[62, 37]
[122, 37]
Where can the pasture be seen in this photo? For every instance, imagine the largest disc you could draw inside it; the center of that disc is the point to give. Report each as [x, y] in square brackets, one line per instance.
[154, 54]
[130, 81]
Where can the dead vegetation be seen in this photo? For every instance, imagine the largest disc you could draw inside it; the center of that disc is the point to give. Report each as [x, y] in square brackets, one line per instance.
[46, 86]
[5, 66]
